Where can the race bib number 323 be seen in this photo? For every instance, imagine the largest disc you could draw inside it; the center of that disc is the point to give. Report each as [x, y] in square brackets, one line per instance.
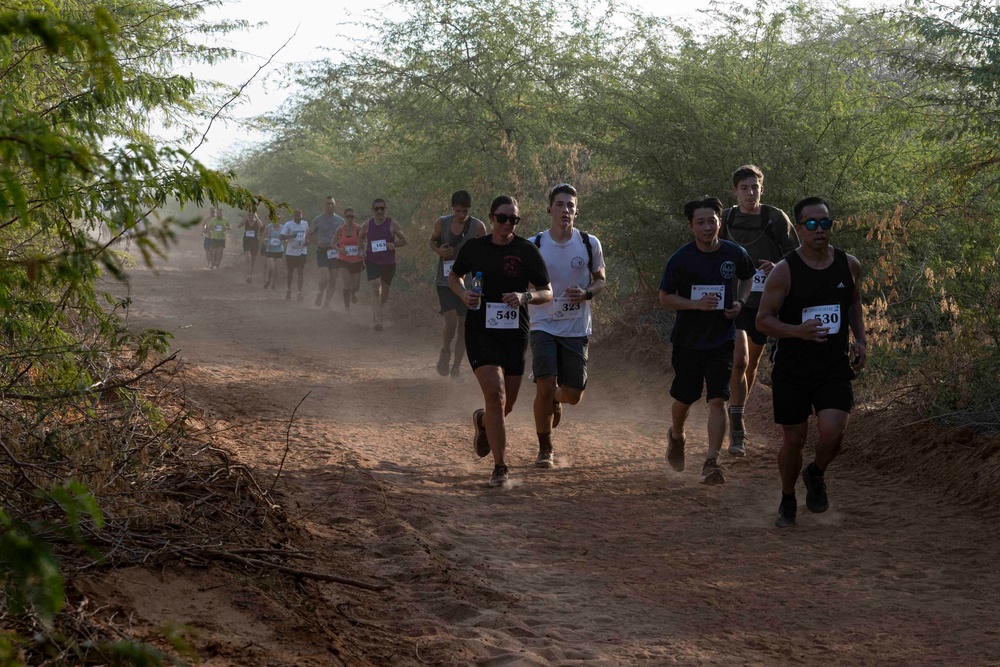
[562, 309]
[502, 316]
[829, 316]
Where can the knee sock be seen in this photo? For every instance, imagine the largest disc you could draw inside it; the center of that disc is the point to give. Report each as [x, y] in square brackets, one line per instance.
[736, 417]
[545, 441]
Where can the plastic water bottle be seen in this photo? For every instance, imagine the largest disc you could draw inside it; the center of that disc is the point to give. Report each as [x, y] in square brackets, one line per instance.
[477, 287]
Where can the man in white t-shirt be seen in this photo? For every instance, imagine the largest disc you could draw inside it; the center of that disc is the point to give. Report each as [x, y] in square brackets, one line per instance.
[293, 233]
[560, 329]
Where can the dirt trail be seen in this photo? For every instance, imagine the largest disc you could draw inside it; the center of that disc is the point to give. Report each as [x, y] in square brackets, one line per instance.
[610, 559]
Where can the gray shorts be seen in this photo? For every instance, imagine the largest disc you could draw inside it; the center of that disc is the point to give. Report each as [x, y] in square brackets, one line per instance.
[564, 357]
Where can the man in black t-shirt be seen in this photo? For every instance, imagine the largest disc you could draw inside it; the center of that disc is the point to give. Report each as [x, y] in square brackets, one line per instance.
[810, 300]
[699, 282]
[496, 326]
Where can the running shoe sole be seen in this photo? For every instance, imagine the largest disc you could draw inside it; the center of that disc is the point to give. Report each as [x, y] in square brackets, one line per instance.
[480, 443]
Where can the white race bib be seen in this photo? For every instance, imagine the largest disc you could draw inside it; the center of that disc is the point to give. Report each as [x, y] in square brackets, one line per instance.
[828, 315]
[251, 234]
[379, 246]
[698, 291]
[562, 309]
[447, 267]
[502, 316]
[351, 250]
[218, 228]
[300, 236]
[274, 242]
[332, 254]
[758, 281]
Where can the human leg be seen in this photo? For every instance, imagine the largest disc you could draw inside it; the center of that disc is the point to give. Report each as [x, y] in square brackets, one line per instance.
[447, 333]
[376, 286]
[459, 346]
[491, 382]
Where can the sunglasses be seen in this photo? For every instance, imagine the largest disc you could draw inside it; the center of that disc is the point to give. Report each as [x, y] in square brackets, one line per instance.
[378, 208]
[503, 218]
[812, 224]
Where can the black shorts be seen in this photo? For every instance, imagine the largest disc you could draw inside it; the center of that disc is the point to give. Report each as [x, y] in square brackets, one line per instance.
[746, 320]
[207, 243]
[295, 262]
[251, 245]
[383, 272]
[324, 262]
[218, 243]
[564, 357]
[352, 267]
[451, 301]
[277, 254]
[697, 369]
[485, 348]
[796, 398]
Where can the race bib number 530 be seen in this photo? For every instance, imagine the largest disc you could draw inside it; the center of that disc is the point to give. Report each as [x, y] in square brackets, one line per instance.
[502, 316]
[829, 316]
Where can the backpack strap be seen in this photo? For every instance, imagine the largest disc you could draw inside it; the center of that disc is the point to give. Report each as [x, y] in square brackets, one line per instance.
[730, 216]
[590, 250]
[538, 240]
[768, 227]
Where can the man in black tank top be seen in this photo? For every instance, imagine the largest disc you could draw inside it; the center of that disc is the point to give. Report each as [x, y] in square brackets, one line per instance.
[811, 299]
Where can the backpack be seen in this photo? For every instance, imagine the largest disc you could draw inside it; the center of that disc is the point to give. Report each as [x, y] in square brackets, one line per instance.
[585, 237]
[766, 226]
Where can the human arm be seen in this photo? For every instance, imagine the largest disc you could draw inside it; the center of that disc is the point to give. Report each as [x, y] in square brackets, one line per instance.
[859, 348]
[577, 294]
[775, 290]
[398, 239]
[363, 241]
[535, 296]
[446, 251]
[480, 227]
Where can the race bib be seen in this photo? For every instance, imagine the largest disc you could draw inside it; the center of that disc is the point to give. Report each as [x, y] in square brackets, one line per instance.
[300, 237]
[331, 254]
[828, 315]
[698, 291]
[251, 233]
[379, 246]
[562, 309]
[351, 250]
[274, 242]
[218, 228]
[758, 281]
[502, 316]
[447, 267]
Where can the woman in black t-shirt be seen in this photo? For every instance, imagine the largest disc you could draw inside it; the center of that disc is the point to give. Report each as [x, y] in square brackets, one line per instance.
[496, 327]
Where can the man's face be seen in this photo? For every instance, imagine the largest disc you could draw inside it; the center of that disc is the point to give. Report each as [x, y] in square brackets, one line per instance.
[705, 225]
[819, 238]
[329, 206]
[748, 192]
[461, 214]
[563, 210]
[378, 211]
[297, 216]
[218, 213]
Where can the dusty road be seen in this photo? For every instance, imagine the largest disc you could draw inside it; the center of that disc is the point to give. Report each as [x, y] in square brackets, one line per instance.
[610, 559]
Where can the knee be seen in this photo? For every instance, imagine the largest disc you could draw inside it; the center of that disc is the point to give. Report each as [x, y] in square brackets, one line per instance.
[571, 396]
[546, 388]
[740, 363]
[717, 405]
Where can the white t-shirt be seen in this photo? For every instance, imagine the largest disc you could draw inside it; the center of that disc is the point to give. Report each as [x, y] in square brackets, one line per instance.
[296, 245]
[567, 266]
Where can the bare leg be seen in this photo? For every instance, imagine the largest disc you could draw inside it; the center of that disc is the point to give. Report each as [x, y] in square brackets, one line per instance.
[459, 344]
[377, 302]
[716, 426]
[678, 417]
[545, 392]
[331, 286]
[832, 424]
[790, 455]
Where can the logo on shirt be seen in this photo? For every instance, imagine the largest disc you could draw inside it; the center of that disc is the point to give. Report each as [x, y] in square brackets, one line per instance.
[728, 269]
[841, 286]
[512, 266]
[577, 263]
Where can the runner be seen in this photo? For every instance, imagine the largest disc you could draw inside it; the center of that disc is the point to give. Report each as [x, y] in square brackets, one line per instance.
[206, 235]
[321, 232]
[767, 235]
[252, 229]
[449, 235]
[560, 330]
[808, 299]
[219, 227]
[378, 241]
[349, 260]
[294, 233]
[496, 327]
[274, 250]
[699, 283]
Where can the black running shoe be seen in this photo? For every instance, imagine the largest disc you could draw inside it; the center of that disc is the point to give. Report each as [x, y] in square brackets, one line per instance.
[501, 475]
[786, 513]
[816, 500]
[479, 441]
[711, 472]
[675, 451]
[556, 412]
[545, 458]
[737, 443]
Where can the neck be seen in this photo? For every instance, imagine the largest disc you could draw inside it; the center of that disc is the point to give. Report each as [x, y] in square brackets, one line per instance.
[708, 247]
[750, 211]
[816, 255]
[501, 239]
[560, 233]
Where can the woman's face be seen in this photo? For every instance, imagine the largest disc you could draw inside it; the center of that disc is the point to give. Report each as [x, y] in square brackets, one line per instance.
[501, 219]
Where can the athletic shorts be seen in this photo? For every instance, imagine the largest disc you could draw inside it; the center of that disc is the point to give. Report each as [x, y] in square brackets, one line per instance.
[324, 262]
[796, 398]
[352, 267]
[451, 301]
[277, 254]
[207, 243]
[695, 370]
[251, 245]
[564, 357]
[295, 261]
[383, 272]
[218, 243]
[489, 349]
[747, 321]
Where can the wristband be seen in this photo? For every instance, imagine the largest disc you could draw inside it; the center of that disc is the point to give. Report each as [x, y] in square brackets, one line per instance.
[743, 304]
[590, 295]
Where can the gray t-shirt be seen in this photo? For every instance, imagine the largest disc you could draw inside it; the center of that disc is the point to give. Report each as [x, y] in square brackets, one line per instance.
[745, 229]
[454, 240]
[323, 226]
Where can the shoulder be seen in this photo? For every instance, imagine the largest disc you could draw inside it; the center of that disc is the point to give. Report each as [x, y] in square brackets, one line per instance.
[731, 248]
[778, 216]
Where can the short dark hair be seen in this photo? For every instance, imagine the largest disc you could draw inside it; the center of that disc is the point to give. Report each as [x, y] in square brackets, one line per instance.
[809, 201]
[348, 210]
[703, 202]
[747, 171]
[461, 198]
[502, 200]
[561, 189]
[378, 201]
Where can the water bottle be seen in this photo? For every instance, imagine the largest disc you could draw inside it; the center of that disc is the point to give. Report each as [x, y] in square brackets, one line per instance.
[477, 287]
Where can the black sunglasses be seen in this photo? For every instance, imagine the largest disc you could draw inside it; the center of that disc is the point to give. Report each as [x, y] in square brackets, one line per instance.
[812, 224]
[503, 218]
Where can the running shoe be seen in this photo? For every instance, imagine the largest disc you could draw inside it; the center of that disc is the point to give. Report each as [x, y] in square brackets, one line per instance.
[816, 500]
[711, 472]
[786, 513]
[456, 373]
[444, 358]
[675, 451]
[737, 443]
[556, 413]
[545, 458]
[501, 475]
[479, 441]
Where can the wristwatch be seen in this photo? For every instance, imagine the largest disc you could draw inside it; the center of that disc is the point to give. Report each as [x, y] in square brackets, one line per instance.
[743, 304]
[590, 295]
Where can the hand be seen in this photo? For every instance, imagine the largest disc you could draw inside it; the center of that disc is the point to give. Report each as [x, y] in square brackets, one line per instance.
[813, 330]
[390, 246]
[576, 294]
[513, 299]
[734, 310]
[765, 266]
[707, 302]
[859, 355]
[446, 251]
[471, 298]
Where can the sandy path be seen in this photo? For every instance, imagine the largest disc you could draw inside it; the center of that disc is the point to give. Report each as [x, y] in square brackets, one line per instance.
[610, 559]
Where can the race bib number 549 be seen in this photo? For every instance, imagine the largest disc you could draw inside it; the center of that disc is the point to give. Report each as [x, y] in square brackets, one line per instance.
[829, 316]
[502, 316]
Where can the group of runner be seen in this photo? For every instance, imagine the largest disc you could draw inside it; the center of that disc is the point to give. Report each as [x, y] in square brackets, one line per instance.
[748, 274]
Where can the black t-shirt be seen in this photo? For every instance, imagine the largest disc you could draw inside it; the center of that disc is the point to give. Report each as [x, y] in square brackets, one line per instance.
[505, 268]
[688, 268]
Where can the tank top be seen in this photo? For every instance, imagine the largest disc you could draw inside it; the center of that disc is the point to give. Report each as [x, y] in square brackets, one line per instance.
[272, 239]
[379, 233]
[828, 295]
[454, 240]
[346, 241]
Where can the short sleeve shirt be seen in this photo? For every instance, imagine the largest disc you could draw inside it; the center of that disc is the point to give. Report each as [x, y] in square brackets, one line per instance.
[323, 227]
[505, 268]
[744, 229]
[296, 245]
[567, 264]
[691, 272]
[217, 229]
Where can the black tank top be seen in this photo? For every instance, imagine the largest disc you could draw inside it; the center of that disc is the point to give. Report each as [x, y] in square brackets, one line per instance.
[828, 294]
